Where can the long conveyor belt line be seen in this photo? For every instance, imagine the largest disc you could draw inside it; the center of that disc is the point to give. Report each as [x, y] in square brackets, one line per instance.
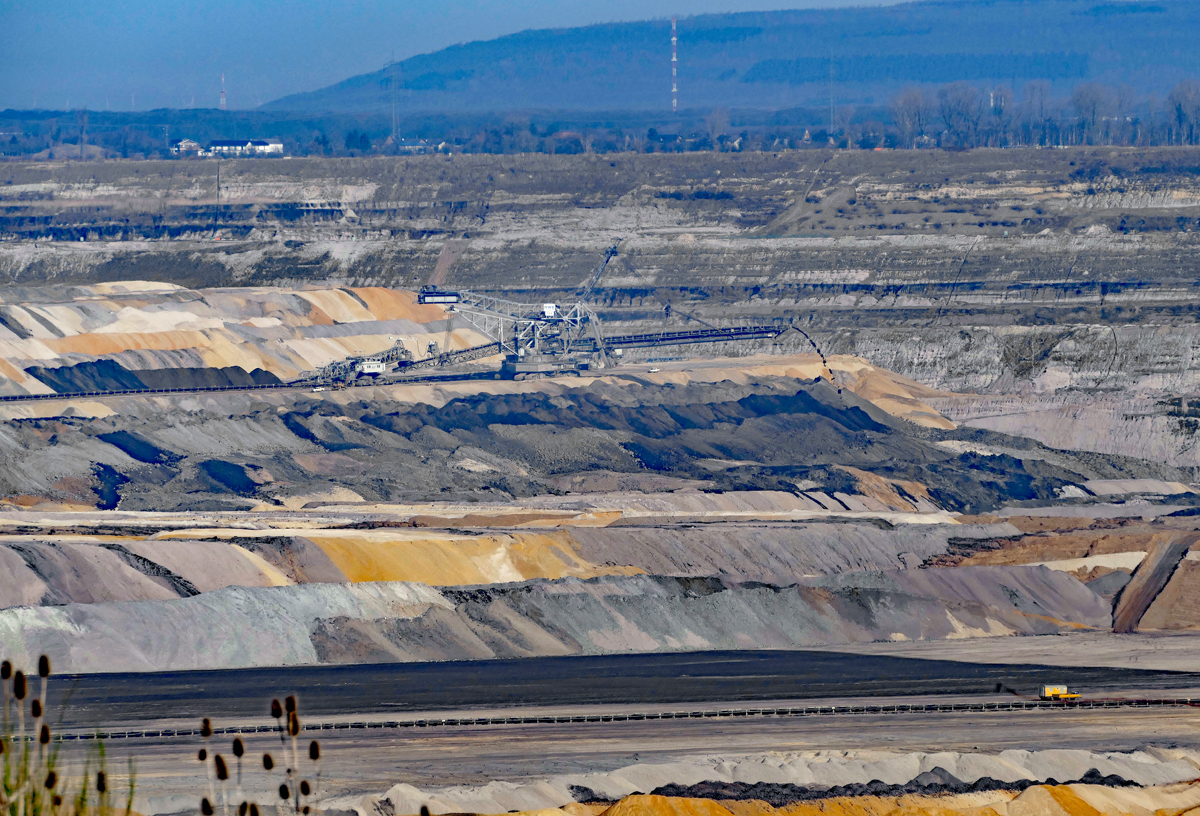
[644, 340]
[801, 711]
[305, 384]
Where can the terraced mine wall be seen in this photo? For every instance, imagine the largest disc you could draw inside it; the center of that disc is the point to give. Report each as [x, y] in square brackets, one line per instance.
[383, 622]
[822, 448]
[1013, 271]
[55, 568]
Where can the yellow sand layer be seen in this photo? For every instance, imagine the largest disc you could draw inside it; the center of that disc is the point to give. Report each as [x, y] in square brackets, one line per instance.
[1042, 800]
[397, 304]
[457, 560]
[114, 342]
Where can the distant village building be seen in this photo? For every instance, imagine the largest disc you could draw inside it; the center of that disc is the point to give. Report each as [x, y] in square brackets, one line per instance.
[244, 147]
[412, 146]
[185, 147]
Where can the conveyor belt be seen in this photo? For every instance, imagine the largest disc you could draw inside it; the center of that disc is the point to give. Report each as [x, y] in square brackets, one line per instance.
[643, 340]
[1043, 706]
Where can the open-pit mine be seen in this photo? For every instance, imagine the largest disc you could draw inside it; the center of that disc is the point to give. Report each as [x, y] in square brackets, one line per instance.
[700, 485]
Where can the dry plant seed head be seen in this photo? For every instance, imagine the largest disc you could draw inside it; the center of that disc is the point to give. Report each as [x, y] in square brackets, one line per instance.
[206, 728]
[276, 709]
[293, 724]
[57, 800]
[19, 685]
[101, 782]
[36, 707]
[44, 737]
[51, 780]
[238, 748]
[424, 810]
[305, 788]
[242, 808]
[253, 809]
[284, 793]
[222, 771]
[290, 704]
[5, 670]
[314, 751]
[43, 666]
[202, 755]
[268, 762]
[305, 811]
[206, 807]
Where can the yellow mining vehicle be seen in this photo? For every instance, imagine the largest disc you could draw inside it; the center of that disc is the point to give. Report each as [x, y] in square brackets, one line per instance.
[1058, 693]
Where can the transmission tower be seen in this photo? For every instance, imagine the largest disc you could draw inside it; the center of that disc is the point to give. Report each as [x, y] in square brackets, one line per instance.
[674, 73]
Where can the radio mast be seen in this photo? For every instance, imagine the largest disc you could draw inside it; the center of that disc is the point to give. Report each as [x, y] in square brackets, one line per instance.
[674, 74]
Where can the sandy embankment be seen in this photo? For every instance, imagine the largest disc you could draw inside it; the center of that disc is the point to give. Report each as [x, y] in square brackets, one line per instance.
[382, 622]
[798, 776]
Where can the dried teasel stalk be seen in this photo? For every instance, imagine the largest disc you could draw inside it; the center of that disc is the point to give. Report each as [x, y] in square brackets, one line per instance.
[294, 792]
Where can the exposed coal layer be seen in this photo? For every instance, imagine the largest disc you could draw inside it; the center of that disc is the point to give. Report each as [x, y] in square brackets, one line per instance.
[107, 375]
[794, 436]
[85, 570]
[646, 678]
[774, 433]
[928, 783]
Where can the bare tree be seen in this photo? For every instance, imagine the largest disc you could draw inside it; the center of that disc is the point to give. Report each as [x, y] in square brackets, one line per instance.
[1184, 102]
[961, 107]
[1124, 104]
[81, 116]
[911, 112]
[717, 123]
[1092, 102]
[1034, 113]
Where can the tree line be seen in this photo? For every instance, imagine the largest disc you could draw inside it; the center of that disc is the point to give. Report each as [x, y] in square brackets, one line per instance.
[963, 115]
[958, 115]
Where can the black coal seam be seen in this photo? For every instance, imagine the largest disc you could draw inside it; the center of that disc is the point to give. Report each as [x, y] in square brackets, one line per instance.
[1181, 549]
[782, 794]
[147, 567]
[14, 326]
[49, 597]
[354, 295]
[50, 327]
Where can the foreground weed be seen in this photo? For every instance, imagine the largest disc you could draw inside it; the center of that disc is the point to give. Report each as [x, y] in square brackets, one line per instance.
[35, 780]
[296, 790]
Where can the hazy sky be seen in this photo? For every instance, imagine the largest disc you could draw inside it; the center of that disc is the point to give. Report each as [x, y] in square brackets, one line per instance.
[142, 54]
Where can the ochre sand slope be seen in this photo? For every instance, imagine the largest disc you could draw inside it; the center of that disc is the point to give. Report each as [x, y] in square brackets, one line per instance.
[788, 776]
[1042, 800]
[282, 331]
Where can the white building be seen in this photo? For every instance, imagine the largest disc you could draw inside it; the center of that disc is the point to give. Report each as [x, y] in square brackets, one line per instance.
[185, 147]
[244, 147]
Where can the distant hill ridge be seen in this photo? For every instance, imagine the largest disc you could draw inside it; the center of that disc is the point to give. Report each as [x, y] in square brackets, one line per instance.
[782, 59]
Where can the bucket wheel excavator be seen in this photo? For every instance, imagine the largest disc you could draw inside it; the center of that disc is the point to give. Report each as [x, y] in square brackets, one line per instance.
[546, 339]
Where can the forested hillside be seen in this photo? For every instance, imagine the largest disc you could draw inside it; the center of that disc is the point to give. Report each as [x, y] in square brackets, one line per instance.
[783, 59]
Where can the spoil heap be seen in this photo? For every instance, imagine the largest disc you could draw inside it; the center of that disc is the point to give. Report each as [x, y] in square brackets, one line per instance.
[823, 782]
[383, 622]
[137, 335]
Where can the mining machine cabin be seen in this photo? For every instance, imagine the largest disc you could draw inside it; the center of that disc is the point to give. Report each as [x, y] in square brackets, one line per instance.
[1058, 693]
